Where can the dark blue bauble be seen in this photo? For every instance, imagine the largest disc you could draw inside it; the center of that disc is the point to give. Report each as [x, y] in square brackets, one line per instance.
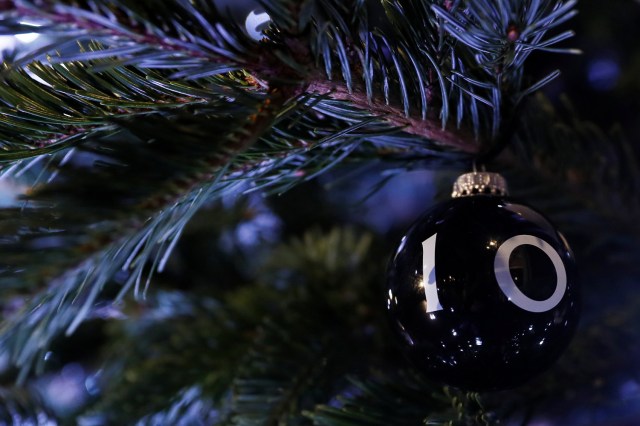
[482, 293]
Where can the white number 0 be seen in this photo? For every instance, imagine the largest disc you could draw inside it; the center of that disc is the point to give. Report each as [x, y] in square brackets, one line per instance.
[502, 273]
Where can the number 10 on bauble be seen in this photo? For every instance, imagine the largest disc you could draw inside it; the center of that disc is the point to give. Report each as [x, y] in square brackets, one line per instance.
[482, 289]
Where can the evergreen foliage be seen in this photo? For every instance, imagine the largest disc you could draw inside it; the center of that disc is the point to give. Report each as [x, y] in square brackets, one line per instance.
[144, 126]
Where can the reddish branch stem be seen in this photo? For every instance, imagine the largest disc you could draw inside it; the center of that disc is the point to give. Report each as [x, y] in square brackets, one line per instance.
[429, 128]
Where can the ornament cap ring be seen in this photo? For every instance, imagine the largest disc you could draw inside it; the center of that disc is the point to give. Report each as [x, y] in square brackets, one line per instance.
[479, 183]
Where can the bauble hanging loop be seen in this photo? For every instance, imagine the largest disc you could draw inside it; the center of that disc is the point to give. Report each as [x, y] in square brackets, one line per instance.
[482, 289]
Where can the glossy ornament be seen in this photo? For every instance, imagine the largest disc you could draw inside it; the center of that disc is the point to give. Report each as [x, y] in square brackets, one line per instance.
[482, 289]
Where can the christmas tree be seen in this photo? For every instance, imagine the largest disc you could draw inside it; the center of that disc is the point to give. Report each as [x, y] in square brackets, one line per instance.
[201, 197]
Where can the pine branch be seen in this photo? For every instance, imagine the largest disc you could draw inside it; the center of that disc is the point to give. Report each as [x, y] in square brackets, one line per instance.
[393, 57]
[122, 242]
[500, 36]
[292, 63]
[142, 28]
[262, 340]
[186, 335]
[294, 362]
[429, 128]
[401, 399]
[86, 103]
[191, 406]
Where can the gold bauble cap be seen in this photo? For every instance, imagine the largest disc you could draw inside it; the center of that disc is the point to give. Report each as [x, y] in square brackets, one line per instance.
[479, 183]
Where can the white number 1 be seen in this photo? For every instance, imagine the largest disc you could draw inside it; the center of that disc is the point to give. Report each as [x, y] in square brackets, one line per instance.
[502, 273]
[429, 274]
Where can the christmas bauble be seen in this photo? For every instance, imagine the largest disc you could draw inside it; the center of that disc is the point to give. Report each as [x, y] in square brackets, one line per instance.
[482, 289]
